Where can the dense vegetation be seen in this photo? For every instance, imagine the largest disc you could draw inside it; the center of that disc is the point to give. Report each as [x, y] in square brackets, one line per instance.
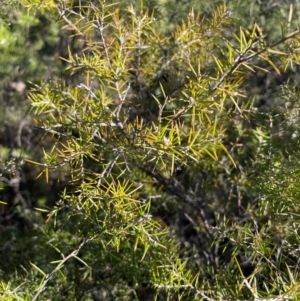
[149, 151]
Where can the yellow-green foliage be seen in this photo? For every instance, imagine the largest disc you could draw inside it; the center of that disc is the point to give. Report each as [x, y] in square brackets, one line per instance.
[138, 105]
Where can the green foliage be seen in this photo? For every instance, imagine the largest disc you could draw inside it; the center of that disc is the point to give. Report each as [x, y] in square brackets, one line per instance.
[176, 184]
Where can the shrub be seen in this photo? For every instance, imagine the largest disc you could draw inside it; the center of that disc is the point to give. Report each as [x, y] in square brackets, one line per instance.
[171, 170]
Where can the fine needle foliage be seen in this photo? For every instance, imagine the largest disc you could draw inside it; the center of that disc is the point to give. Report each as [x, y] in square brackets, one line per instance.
[150, 134]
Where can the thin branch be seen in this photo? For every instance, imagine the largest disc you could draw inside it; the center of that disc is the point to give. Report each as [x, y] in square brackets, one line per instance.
[240, 59]
[49, 276]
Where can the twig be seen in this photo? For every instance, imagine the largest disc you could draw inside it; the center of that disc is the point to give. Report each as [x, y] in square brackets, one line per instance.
[240, 59]
[49, 276]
